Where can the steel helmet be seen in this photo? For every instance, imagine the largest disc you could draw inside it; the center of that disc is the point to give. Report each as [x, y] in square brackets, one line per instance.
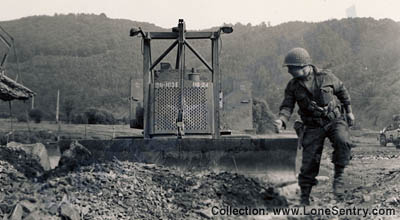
[297, 57]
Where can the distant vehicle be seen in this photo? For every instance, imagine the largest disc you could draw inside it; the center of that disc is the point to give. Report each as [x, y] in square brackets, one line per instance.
[391, 133]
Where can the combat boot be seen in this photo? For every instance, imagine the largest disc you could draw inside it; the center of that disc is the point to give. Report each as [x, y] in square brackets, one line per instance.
[338, 183]
[305, 195]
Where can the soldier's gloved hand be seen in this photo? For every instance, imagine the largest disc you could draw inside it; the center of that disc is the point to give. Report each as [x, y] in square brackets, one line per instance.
[278, 124]
[350, 119]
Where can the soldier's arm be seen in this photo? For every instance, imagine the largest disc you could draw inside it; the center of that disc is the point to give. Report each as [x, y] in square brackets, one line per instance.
[342, 94]
[287, 106]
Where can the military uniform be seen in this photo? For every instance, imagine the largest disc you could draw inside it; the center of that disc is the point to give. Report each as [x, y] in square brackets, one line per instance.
[320, 98]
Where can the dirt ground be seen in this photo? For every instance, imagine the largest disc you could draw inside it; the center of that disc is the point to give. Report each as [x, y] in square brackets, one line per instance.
[126, 190]
[372, 180]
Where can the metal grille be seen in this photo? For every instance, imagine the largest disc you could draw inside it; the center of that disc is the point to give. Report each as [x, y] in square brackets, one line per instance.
[167, 106]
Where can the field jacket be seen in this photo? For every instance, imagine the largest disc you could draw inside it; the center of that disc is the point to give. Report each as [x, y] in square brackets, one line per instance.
[322, 101]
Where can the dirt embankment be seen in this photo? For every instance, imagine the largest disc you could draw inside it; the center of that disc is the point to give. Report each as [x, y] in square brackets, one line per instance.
[125, 190]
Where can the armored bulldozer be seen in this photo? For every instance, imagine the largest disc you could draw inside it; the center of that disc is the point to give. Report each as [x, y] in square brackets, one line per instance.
[179, 110]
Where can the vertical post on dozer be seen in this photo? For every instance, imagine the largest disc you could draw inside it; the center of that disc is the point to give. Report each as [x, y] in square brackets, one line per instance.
[131, 110]
[181, 66]
[146, 86]
[216, 84]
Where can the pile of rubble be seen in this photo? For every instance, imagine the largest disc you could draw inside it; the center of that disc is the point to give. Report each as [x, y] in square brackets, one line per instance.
[81, 188]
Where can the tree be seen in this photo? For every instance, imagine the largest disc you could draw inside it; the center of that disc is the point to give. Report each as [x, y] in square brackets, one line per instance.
[69, 106]
[36, 115]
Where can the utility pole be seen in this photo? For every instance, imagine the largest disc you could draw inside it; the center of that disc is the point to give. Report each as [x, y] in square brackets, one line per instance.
[58, 106]
[57, 115]
[33, 102]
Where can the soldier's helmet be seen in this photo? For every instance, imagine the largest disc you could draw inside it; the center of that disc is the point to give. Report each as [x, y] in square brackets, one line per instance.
[297, 57]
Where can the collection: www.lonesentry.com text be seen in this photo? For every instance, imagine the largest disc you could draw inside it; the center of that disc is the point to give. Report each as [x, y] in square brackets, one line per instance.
[303, 210]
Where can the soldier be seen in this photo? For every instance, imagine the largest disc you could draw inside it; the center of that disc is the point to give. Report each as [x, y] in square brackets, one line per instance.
[324, 108]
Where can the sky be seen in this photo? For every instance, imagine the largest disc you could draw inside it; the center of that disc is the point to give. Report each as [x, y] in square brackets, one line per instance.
[201, 14]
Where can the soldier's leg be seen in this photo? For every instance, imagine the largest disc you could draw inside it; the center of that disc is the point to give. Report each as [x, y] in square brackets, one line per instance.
[313, 141]
[339, 136]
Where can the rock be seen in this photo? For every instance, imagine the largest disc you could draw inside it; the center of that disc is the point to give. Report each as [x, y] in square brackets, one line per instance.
[17, 213]
[37, 215]
[28, 206]
[322, 178]
[37, 149]
[75, 156]
[29, 199]
[204, 213]
[85, 210]
[30, 159]
[288, 190]
[68, 211]
[393, 201]
[52, 209]
[366, 198]
[5, 208]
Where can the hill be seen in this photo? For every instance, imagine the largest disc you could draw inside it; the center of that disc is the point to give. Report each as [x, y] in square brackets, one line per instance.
[91, 58]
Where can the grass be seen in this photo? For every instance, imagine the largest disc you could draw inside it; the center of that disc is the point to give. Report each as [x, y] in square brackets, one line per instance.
[50, 130]
[30, 132]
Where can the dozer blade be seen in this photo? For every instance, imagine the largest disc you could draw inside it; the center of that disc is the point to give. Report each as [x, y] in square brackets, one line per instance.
[269, 159]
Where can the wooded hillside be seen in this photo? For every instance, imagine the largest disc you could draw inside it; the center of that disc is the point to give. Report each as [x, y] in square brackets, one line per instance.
[90, 58]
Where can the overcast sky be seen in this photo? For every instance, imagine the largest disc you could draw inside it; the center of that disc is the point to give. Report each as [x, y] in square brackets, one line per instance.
[200, 14]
